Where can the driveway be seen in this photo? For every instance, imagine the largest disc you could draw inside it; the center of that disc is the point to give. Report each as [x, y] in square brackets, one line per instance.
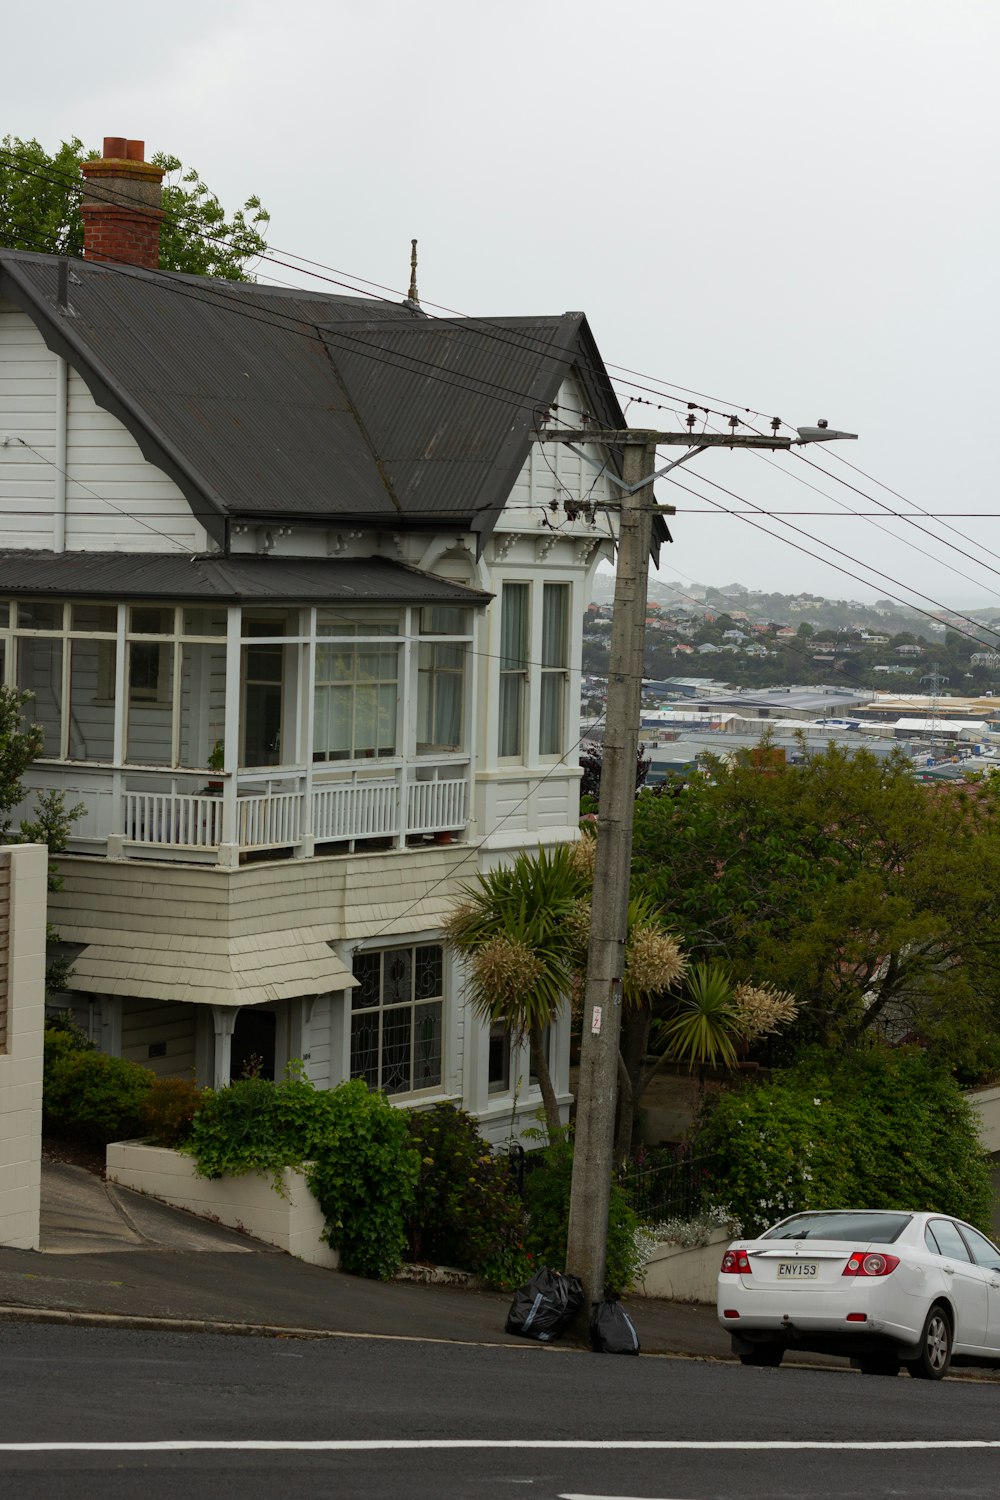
[82, 1214]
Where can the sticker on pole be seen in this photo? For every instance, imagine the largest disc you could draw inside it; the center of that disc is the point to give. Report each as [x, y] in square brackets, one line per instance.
[595, 1021]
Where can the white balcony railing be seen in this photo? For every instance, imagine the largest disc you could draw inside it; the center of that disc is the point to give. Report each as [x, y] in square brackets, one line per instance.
[168, 818]
[270, 810]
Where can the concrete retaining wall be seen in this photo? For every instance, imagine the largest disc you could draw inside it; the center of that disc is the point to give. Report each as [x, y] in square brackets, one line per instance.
[684, 1275]
[23, 897]
[291, 1220]
[986, 1103]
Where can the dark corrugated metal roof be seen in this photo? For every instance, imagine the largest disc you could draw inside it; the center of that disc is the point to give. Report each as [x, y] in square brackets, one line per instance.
[268, 403]
[291, 580]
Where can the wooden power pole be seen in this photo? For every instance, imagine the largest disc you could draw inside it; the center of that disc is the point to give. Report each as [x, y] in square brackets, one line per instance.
[597, 1093]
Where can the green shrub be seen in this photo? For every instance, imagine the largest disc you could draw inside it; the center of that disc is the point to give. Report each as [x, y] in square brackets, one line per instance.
[467, 1211]
[63, 1038]
[169, 1110]
[237, 1130]
[546, 1198]
[361, 1171]
[90, 1096]
[364, 1177]
[880, 1129]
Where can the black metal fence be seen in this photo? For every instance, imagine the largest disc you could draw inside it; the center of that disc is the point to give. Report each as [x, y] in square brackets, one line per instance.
[668, 1186]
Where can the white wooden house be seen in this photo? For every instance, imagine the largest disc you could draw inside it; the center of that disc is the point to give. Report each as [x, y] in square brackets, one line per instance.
[298, 598]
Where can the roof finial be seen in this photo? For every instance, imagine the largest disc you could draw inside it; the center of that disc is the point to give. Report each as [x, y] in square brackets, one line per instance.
[413, 295]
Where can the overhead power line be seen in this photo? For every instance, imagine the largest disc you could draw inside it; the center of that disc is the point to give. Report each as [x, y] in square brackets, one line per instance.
[520, 338]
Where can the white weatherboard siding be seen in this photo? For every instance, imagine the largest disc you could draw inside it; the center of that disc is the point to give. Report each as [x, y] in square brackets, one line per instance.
[115, 500]
[156, 1024]
[555, 472]
[140, 509]
[248, 936]
[27, 416]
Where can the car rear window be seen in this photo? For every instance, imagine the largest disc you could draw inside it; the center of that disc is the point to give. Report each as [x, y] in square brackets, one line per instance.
[857, 1227]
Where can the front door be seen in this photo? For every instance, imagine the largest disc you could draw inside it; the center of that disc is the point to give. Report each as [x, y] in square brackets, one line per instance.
[253, 1049]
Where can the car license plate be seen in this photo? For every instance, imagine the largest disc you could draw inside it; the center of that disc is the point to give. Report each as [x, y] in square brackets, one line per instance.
[797, 1268]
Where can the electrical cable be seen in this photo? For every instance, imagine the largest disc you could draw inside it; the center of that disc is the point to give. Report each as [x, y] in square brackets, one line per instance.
[409, 359]
[751, 521]
[485, 325]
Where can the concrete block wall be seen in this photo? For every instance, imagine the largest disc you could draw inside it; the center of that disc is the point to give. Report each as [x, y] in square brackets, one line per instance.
[681, 1274]
[290, 1219]
[23, 906]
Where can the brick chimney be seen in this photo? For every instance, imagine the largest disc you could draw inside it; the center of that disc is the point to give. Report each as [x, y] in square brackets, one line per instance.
[121, 206]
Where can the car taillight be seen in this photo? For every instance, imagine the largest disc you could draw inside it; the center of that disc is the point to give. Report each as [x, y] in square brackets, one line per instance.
[870, 1263]
[736, 1263]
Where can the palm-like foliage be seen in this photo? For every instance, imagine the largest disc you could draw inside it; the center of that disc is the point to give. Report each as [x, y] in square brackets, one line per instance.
[704, 1026]
[518, 927]
[524, 930]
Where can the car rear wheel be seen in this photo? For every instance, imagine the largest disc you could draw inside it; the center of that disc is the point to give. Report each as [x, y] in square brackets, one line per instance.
[935, 1347]
[769, 1355]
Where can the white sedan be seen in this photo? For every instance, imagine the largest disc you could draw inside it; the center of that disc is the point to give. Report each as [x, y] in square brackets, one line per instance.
[889, 1289]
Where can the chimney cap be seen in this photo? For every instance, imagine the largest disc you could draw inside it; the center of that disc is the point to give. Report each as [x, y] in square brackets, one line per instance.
[120, 148]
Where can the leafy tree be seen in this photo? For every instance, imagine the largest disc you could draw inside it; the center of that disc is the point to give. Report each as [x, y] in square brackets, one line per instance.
[20, 744]
[516, 925]
[841, 1131]
[51, 825]
[40, 210]
[592, 763]
[871, 897]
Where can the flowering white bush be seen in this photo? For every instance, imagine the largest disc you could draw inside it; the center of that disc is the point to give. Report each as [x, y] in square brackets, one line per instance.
[687, 1233]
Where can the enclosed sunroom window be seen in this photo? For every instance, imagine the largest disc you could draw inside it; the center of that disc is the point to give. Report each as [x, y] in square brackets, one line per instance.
[357, 686]
[441, 680]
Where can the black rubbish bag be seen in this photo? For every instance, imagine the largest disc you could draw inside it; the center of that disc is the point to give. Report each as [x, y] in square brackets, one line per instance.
[611, 1329]
[543, 1308]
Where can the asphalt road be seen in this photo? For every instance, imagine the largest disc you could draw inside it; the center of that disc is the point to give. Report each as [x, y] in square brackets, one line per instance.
[386, 1417]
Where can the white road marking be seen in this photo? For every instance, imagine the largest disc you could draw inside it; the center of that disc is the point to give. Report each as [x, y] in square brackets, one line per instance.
[380, 1445]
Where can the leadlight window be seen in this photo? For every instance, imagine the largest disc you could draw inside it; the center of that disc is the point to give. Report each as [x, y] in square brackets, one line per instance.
[514, 639]
[396, 1018]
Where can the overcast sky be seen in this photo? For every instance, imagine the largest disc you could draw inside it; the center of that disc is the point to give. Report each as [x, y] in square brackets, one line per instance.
[789, 206]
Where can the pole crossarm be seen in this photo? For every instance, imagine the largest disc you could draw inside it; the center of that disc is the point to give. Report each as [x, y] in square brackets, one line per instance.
[636, 435]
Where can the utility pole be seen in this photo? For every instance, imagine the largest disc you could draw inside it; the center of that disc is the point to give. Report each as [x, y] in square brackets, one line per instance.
[597, 1093]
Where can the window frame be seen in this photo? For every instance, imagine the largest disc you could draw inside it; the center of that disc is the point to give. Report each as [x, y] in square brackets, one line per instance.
[359, 635]
[554, 674]
[514, 671]
[374, 1077]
